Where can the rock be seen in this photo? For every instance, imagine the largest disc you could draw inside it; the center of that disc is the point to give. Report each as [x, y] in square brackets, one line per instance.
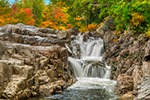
[63, 35]
[32, 62]
[127, 96]
[43, 61]
[73, 32]
[105, 31]
[52, 73]
[147, 52]
[2, 49]
[49, 89]
[125, 83]
[144, 89]
[46, 30]
[146, 68]
[129, 57]
[137, 74]
[108, 25]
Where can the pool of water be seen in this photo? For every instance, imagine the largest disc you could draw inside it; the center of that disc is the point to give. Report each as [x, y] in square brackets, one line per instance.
[87, 89]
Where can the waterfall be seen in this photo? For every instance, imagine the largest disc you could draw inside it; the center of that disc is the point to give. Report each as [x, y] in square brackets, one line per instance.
[87, 60]
[92, 74]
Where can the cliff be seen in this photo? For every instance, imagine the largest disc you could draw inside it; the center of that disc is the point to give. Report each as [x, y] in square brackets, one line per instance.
[129, 58]
[33, 61]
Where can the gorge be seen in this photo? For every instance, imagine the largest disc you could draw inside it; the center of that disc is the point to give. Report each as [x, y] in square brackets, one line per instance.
[44, 62]
[92, 74]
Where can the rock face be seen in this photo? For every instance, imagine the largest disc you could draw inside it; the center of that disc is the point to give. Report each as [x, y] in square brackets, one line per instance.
[129, 58]
[125, 83]
[33, 61]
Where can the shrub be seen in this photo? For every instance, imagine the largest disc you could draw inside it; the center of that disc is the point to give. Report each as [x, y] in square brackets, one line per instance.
[134, 13]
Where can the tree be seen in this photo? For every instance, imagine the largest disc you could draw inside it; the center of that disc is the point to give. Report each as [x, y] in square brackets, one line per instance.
[37, 6]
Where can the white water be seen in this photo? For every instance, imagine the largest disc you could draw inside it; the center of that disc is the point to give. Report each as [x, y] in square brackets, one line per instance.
[88, 58]
[88, 66]
[93, 81]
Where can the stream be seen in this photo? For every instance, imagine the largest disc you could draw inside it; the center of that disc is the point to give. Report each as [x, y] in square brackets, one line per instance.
[92, 73]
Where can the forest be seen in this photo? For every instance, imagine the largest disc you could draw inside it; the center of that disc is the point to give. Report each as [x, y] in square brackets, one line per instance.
[86, 15]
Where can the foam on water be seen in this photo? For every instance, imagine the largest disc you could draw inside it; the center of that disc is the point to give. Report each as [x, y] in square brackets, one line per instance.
[92, 73]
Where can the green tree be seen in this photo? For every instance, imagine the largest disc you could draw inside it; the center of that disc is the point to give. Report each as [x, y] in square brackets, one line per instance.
[87, 9]
[4, 7]
[38, 7]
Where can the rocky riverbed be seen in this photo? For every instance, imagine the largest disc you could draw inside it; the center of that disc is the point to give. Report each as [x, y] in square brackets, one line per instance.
[33, 61]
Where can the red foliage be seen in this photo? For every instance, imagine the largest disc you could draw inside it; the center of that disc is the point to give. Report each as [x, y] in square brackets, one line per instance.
[14, 7]
[28, 11]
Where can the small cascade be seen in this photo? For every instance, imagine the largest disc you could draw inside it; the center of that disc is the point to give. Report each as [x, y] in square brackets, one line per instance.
[92, 73]
[87, 61]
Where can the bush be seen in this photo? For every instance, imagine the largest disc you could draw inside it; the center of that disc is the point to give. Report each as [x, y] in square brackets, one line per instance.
[134, 13]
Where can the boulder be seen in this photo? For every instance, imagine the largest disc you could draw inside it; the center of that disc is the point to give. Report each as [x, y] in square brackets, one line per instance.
[63, 34]
[108, 25]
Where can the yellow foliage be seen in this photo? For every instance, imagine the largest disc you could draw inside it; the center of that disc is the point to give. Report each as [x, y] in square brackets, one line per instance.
[134, 5]
[83, 29]
[78, 18]
[90, 27]
[100, 25]
[62, 28]
[136, 19]
[148, 33]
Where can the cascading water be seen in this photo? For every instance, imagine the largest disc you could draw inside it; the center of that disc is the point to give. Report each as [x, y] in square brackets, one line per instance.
[92, 74]
[88, 58]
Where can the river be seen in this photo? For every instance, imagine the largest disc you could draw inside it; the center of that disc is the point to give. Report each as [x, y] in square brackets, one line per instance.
[92, 73]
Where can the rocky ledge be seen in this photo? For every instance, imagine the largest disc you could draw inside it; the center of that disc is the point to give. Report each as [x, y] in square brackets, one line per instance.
[33, 61]
[129, 58]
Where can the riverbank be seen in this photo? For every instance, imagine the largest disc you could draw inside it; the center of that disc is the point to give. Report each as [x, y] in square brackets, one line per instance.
[128, 56]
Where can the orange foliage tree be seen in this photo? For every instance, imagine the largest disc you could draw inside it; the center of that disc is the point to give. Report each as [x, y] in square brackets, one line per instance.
[56, 17]
[24, 16]
[12, 15]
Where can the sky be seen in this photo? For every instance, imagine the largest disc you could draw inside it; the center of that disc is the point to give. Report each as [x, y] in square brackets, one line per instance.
[46, 1]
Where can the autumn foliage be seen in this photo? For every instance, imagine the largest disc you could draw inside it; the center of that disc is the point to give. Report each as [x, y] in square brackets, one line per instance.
[14, 15]
[86, 15]
[54, 16]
